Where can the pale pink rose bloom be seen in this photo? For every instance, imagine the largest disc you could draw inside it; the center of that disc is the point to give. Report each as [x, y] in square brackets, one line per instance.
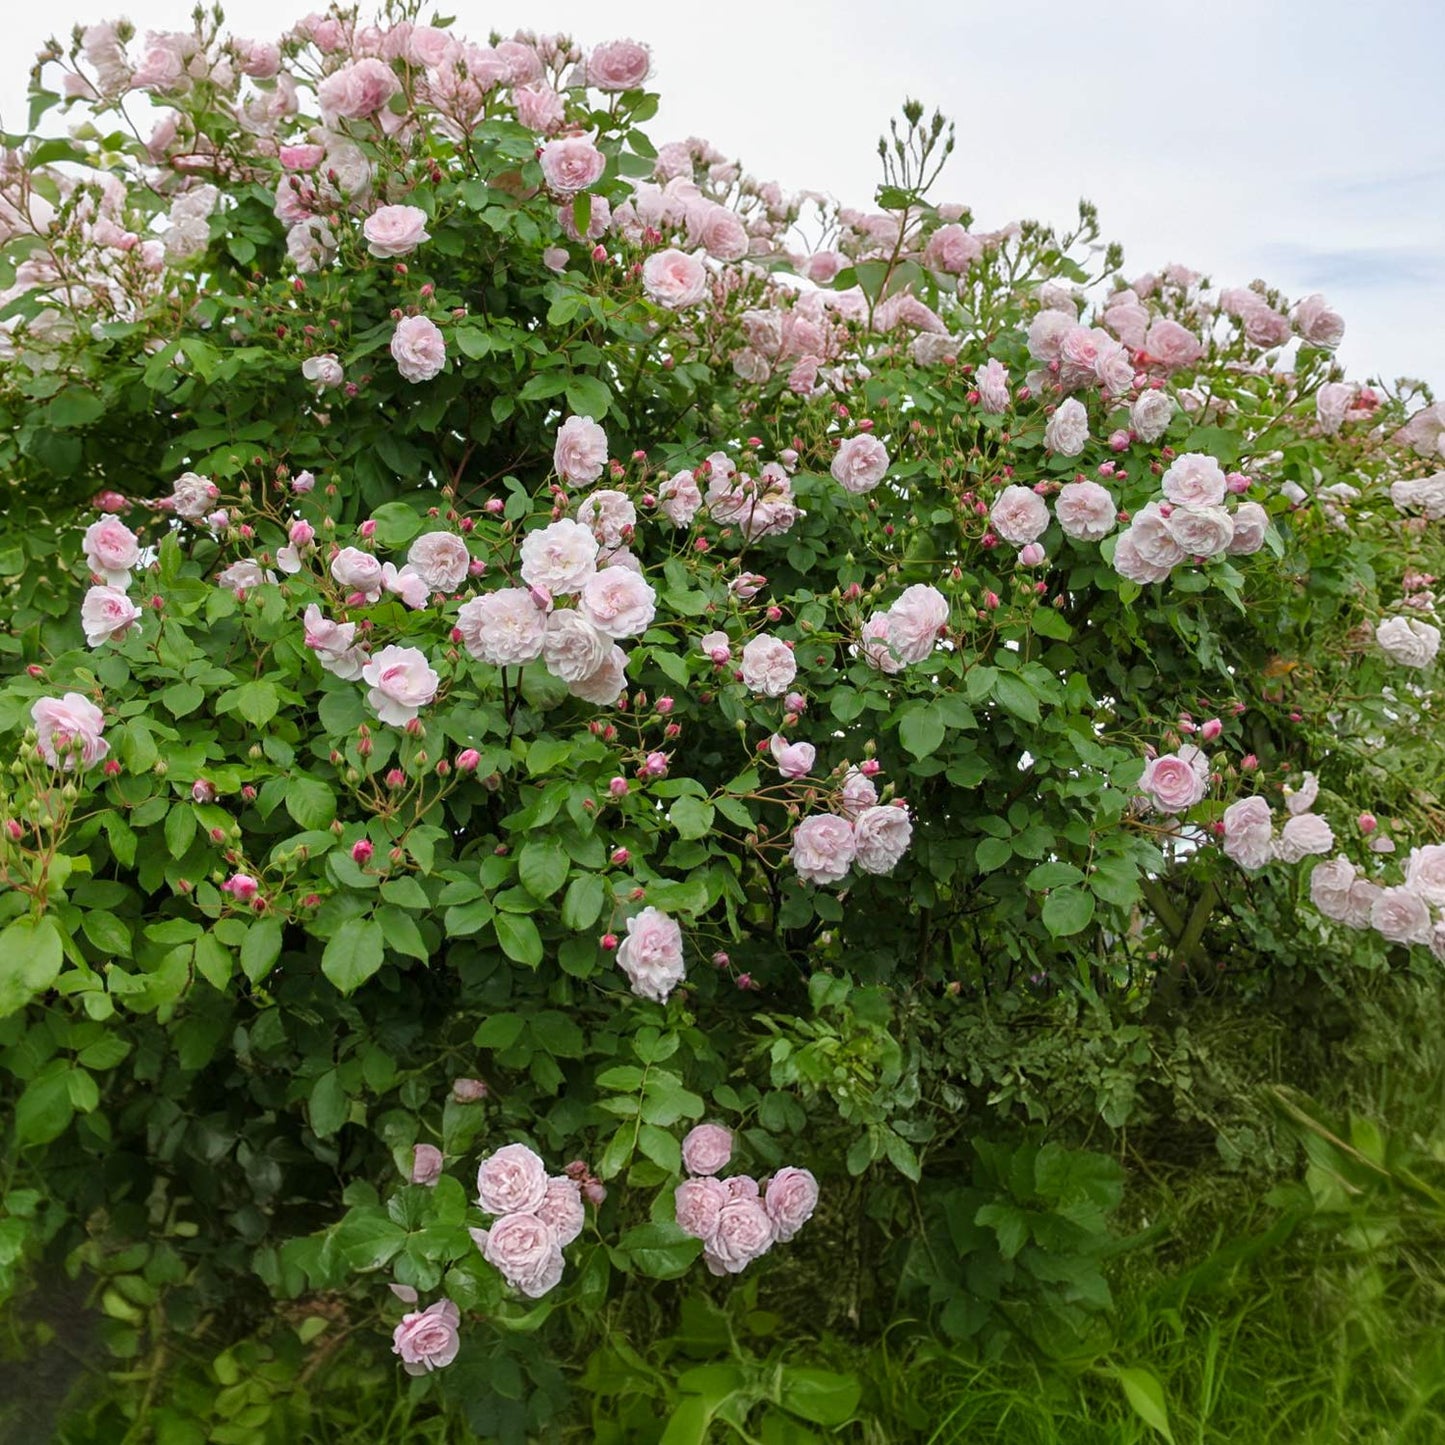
[112, 549]
[560, 556]
[243, 576]
[1085, 510]
[875, 647]
[561, 1207]
[1201, 531]
[1408, 641]
[1424, 433]
[679, 499]
[259, 59]
[406, 583]
[68, 728]
[1425, 495]
[334, 644]
[1046, 334]
[357, 571]
[395, 230]
[1019, 515]
[1131, 564]
[106, 615]
[1173, 783]
[523, 1249]
[823, 848]
[1067, 431]
[715, 645]
[1195, 480]
[571, 165]
[751, 366]
[1425, 873]
[617, 602]
[768, 666]
[1303, 835]
[1172, 344]
[512, 1180]
[1248, 832]
[505, 628]
[993, 387]
[697, 1203]
[651, 954]
[1264, 326]
[440, 559]
[1127, 319]
[555, 258]
[742, 1186]
[1318, 323]
[881, 837]
[302, 157]
[718, 230]
[618, 65]
[1150, 415]
[609, 514]
[1332, 402]
[1302, 799]
[580, 452]
[822, 266]
[402, 683]
[674, 279]
[1363, 895]
[1400, 915]
[418, 347]
[1251, 526]
[324, 371]
[426, 1164]
[857, 794]
[572, 647]
[744, 1233]
[1113, 368]
[747, 585]
[915, 621]
[791, 1198]
[603, 687]
[859, 463]
[1330, 885]
[794, 760]
[952, 249]
[358, 90]
[706, 1149]
[427, 1339]
[524, 65]
[541, 109]
[429, 45]
[1153, 540]
[191, 496]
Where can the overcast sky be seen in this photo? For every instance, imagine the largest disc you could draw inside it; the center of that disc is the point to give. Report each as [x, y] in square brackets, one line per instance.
[1302, 141]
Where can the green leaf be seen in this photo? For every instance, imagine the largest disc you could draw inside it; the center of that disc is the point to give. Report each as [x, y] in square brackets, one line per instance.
[1047, 622]
[44, 1110]
[182, 698]
[180, 829]
[661, 1147]
[1146, 1396]
[74, 407]
[692, 818]
[310, 802]
[660, 1250]
[921, 729]
[353, 954]
[257, 702]
[1017, 696]
[396, 524]
[582, 903]
[260, 948]
[401, 933]
[821, 1396]
[213, 960]
[587, 396]
[543, 866]
[1009, 1224]
[1068, 910]
[328, 1106]
[992, 853]
[31, 953]
[519, 938]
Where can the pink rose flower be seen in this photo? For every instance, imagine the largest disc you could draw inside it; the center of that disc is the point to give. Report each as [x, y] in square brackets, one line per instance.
[915, 621]
[768, 666]
[1153, 539]
[572, 647]
[1408, 641]
[952, 249]
[357, 571]
[540, 108]
[191, 496]
[247, 574]
[1248, 832]
[505, 628]
[1425, 873]
[794, 760]
[697, 1203]
[1175, 782]
[1251, 526]
[395, 230]
[790, 1199]
[1151, 414]
[468, 1091]
[418, 347]
[523, 1249]
[1131, 564]
[1085, 510]
[406, 583]
[441, 560]
[68, 728]
[571, 165]
[1019, 515]
[1067, 431]
[993, 387]
[560, 556]
[859, 463]
[511, 1180]
[857, 794]
[1400, 915]
[718, 230]
[1046, 334]
[561, 1207]
[880, 838]
[651, 954]
[1195, 480]
[358, 90]
[679, 499]
[1201, 531]
[617, 602]
[744, 1233]
[402, 683]
[823, 848]
[618, 65]
[334, 644]
[580, 452]
[1303, 835]
[674, 279]
[875, 647]
[1172, 344]
[604, 686]
[707, 1149]
[1302, 799]
[1317, 323]
[112, 549]
[106, 615]
[426, 1164]
[428, 1340]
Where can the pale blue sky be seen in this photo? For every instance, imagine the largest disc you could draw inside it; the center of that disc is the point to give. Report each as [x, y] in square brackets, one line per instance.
[1298, 140]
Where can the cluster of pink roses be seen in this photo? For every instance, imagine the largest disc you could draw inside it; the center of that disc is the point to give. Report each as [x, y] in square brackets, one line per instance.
[907, 631]
[538, 1216]
[113, 551]
[863, 834]
[738, 1219]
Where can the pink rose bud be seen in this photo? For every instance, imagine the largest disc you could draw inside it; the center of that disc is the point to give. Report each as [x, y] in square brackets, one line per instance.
[14, 829]
[301, 534]
[109, 502]
[1367, 823]
[621, 857]
[426, 1164]
[203, 791]
[991, 601]
[395, 778]
[1032, 555]
[1237, 482]
[241, 886]
[795, 702]
[368, 528]
[467, 760]
[361, 851]
[493, 505]
[1248, 763]
[720, 959]
[476, 567]
[248, 792]
[655, 766]
[664, 705]
[1210, 730]
[608, 942]
[988, 541]
[468, 1091]
[594, 1191]
[618, 787]
[870, 767]
[744, 981]
[1119, 441]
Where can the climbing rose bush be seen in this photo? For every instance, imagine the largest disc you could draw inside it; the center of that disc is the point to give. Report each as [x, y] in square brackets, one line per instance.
[520, 640]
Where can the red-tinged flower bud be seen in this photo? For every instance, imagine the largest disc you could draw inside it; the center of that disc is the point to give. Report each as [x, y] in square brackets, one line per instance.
[1367, 823]
[112, 768]
[637, 895]
[745, 981]
[1210, 730]
[621, 857]
[395, 778]
[467, 760]
[218, 835]
[594, 1192]
[619, 787]
[608, 942]
[609, 734]
[361, 852]
[720, 959]
[665, 705]
[469, 1091]
[599, 253]
[1248, 763]
[397, 856]
[14, 829]
[672, 730]
[415, 728]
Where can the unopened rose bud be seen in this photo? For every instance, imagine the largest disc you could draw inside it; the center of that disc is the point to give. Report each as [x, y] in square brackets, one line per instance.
[664, 705]
[621, 857]
[608, 942]
[594, 1192]
[1210, 730]
[395, 778]
[720, 959]
[619, 787]
[1248, 763]
[361, 852]
[468, 1091]
[1367, 823]
[113, 769]
[467, 760]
